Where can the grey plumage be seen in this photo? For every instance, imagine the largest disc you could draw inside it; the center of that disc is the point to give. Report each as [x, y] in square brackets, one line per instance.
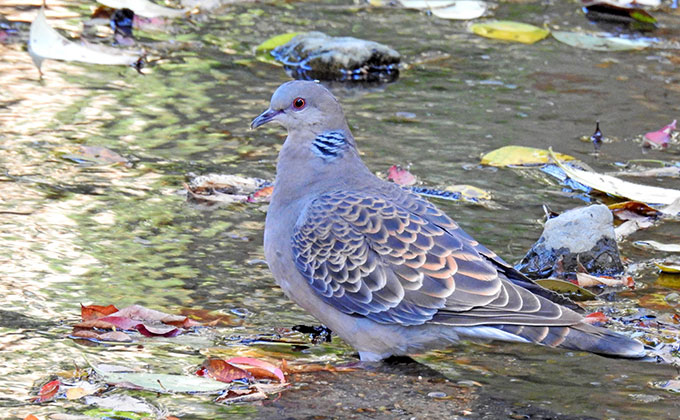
[384, 268]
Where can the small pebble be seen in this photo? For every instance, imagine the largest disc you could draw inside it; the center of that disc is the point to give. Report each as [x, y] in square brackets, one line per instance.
[437, 394]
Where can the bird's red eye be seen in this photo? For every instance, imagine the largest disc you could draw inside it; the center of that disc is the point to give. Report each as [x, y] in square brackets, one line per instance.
[298, 103]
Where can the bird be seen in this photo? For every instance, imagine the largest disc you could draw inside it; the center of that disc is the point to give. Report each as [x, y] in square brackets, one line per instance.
[382, 267]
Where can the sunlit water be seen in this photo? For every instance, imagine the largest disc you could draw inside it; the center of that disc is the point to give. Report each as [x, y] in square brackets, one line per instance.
[124, 234]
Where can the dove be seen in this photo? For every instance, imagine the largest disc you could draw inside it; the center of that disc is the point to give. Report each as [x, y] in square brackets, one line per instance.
[385, 269]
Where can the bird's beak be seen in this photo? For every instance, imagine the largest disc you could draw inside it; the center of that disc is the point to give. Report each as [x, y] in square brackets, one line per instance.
[264, 118]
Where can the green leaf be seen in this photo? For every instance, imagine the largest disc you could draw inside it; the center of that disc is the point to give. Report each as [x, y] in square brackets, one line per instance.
[275, 41]
[599, 42]
[568, 289]
[510, 31]
[519, 155]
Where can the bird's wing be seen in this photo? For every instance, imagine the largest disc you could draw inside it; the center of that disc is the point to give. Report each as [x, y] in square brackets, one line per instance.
[398, 259]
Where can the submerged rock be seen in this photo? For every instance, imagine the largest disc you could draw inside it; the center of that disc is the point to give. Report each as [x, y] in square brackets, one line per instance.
[315, 55]
[584, 235]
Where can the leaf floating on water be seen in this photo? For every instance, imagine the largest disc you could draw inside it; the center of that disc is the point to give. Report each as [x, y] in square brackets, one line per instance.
[48, 391]
[600, 41]
[459, 10]
[144, 8]
[400, 176]
[163, 383]
[46, 42]
[422, 4]
[248, 362]
[596, 318]
[659, 138]
[96, 311]
[222, 371]
[671, 267]
[123, 403]
[518, 156]
[571, 290]
[510, 31]
[588, 280]
[469, 192]
[657, 246]
[617, 187]
[276, 41]
[614, 11]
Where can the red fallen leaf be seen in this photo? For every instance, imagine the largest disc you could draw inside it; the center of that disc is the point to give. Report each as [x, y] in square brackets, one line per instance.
[595, 318]
[659, 138]
[263, 194]
[48, 391]
[96, 311]
[30, 417]
[266, 369]
[400, 176]
[184, 323]
[158, 331]
[222, 371]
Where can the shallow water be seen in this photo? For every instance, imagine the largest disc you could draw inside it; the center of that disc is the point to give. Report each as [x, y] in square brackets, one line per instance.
[74, 233]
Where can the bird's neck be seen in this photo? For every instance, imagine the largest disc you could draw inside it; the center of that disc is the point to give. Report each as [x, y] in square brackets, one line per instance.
[310, 164]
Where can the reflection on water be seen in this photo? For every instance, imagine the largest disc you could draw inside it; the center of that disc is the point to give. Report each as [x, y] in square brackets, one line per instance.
[122, 233]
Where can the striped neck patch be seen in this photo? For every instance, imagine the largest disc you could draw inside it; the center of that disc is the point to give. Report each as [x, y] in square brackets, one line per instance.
[329, 145]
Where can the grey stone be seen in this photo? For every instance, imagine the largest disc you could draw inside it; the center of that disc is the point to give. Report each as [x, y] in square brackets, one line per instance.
[315, 55]
[583, 235]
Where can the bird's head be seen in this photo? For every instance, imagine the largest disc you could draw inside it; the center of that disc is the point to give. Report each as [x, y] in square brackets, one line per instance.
[303, 106]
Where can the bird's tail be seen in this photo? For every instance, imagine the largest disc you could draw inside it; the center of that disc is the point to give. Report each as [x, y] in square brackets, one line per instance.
[583, 337]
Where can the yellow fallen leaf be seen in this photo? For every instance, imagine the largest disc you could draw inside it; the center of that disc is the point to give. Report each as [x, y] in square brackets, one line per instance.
[469, 192]
[617, 187]
[510, 31]
[671, 267]
[276, 41]
[519, 155]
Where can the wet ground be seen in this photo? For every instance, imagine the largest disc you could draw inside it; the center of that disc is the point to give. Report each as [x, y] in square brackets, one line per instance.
[75, 232]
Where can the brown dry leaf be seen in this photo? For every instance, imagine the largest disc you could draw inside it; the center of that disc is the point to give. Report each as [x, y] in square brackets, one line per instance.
[210, 318]
[241, 395]
[222, 371]
[76, 393]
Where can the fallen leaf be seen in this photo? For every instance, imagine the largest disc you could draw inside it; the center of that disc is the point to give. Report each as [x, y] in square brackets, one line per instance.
[76, 393]
[46, 42]
[633, 210]
[609, 11]
[657, 246]
[249, 362]
[459, 10]
[510, 31]
[595, 318]
[48, 391]
[163, 383]
[144, 8]
[115, 336]
[123, 403]
[669, 279]
[141, 313]
[617, 187]
[30, 417]
[222, 371]
[469, 193]
[672, 267]
[571, 290]
[400, 176]
[599, 41]
[659, 138]
[588, 280]
[157, 330]
[519, 156]
[211, 318]
[629, 227]
[311, 368]
[96, 311]
[276, 41]
[241, 395]
[655, 301]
